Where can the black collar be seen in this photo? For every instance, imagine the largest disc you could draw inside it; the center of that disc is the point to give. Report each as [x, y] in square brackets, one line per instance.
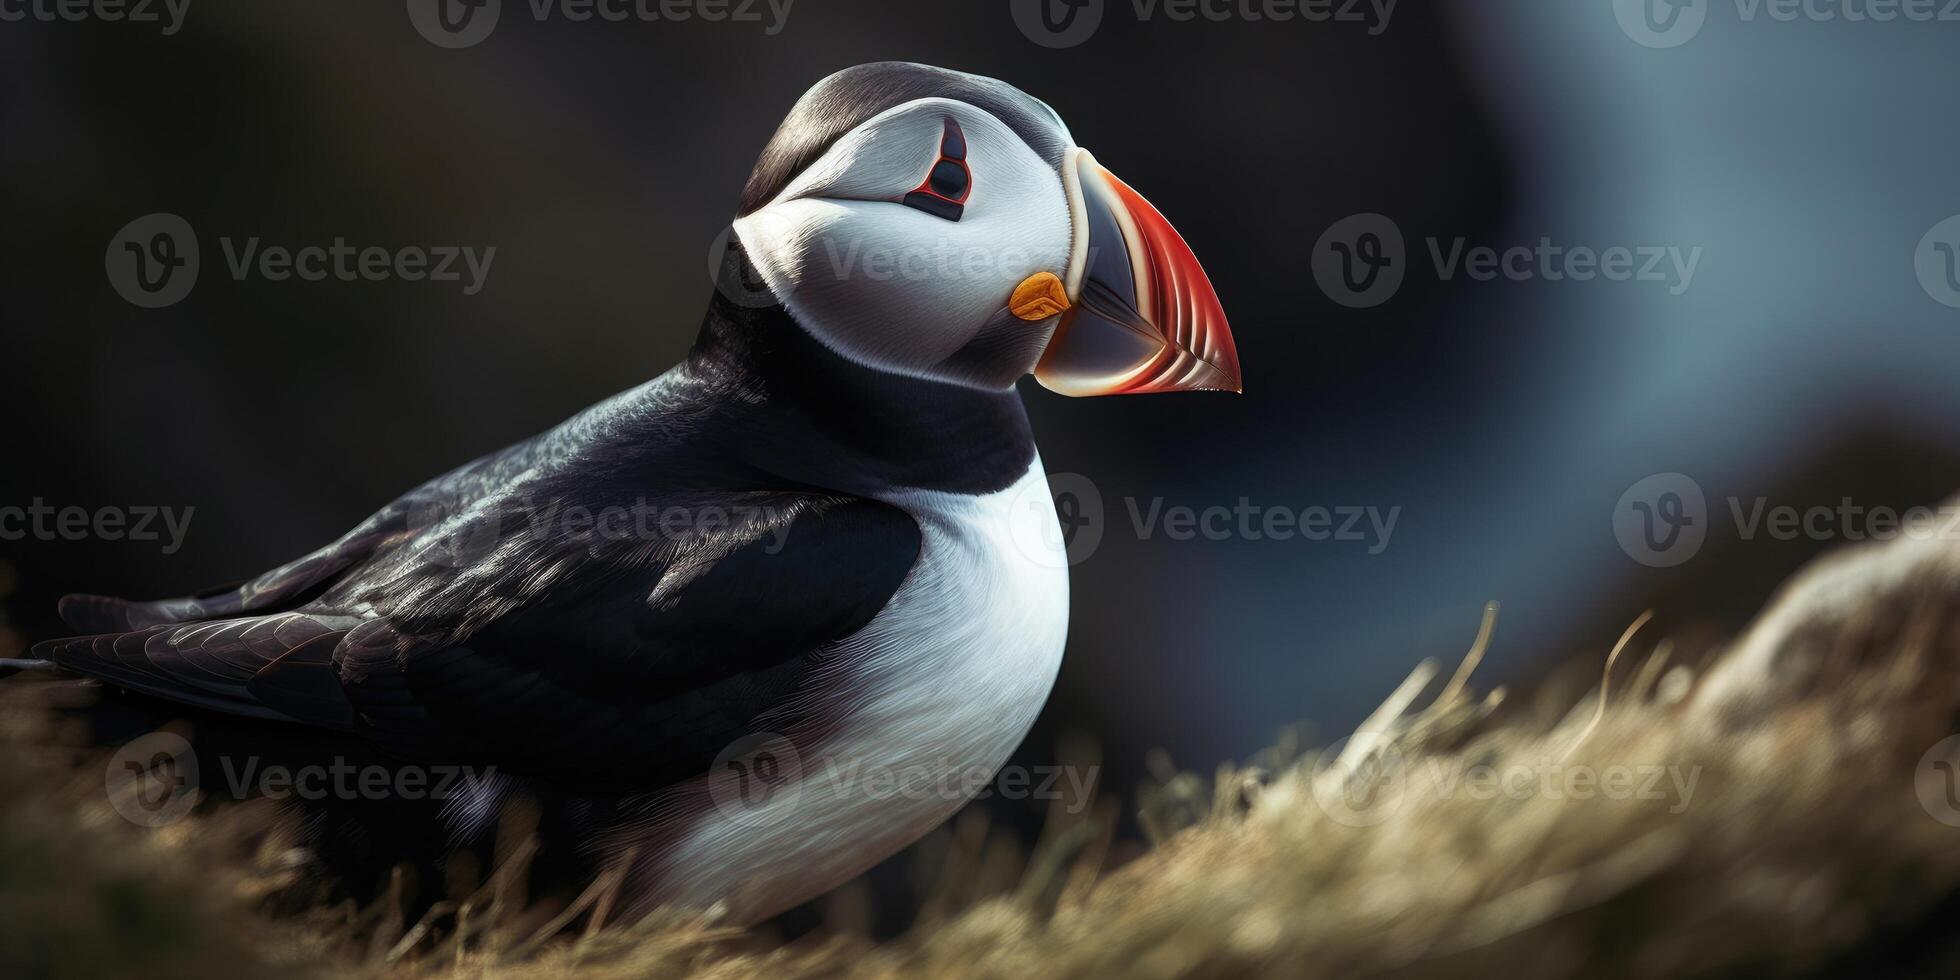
[803, 412]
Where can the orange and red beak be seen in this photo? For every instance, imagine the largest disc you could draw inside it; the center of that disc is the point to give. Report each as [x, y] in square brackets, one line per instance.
[1142, 316]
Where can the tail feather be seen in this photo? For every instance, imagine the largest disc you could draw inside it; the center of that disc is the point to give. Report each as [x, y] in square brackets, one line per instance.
[95, 614]
[283, 587]
[279, 667]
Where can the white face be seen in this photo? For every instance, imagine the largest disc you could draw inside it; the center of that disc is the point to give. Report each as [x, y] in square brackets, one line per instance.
[902, 287]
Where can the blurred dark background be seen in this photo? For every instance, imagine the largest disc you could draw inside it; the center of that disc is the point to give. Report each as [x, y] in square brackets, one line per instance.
[1805, 363]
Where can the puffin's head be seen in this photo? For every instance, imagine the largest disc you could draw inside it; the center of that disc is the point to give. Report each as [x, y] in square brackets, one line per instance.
[942, 225]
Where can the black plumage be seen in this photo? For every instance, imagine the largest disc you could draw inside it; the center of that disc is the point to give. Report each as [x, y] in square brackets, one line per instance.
[474, 600]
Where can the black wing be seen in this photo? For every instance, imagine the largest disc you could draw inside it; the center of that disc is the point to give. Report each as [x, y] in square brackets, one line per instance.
[644, 681]
[635, 676]
[420, 512]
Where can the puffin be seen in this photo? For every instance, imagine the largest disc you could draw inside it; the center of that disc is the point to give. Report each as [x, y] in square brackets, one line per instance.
[854, 572]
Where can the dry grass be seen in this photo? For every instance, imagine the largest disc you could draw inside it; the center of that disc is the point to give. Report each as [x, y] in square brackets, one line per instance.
[83, 894]
[1783, 836]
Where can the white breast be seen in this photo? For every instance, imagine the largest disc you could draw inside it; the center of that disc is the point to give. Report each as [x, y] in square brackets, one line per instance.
[938, 690]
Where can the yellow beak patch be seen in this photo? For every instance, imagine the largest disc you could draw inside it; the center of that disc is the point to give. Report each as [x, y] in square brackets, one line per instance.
[1038, 297]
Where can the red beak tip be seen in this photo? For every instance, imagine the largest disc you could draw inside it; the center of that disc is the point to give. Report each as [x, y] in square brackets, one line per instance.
[1174, 337]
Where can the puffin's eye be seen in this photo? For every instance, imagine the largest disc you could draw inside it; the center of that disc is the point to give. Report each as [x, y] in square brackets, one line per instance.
[943, 192]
